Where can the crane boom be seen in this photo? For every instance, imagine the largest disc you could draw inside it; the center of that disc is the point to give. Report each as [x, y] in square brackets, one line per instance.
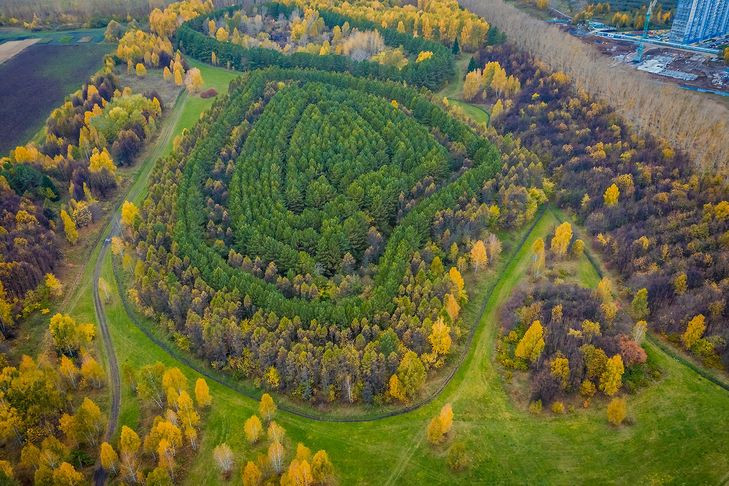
[641, 46]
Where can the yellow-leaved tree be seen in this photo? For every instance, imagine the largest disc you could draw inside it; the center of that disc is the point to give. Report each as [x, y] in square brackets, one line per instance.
[129, 214]
[694, 330]
[611, 195]
[267, 408]
[561, 239]
[252, 429]
[69, 227]
[109, 458]
[202, 393]
[530, 346]
[612, 378]
[479, 258]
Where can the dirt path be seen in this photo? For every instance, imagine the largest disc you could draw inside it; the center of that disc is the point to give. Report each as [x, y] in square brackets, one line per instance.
[10, 49]
[155, 152]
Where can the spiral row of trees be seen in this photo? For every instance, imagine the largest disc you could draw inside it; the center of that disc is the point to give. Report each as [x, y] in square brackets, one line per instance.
[312, 232]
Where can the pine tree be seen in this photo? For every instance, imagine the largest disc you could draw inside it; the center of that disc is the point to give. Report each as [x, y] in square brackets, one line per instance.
[472, 65]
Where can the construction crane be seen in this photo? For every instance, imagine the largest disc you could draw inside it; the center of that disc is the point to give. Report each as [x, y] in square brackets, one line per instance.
[641, 46]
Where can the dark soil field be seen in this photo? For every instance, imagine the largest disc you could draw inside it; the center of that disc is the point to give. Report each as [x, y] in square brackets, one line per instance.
[36, 81]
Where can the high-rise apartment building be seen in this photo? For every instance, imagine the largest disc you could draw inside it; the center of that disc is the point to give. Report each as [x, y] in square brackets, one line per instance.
[697, 20]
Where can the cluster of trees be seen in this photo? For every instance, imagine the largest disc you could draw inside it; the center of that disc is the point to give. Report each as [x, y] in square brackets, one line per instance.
[192, 39]
[28, 246]
[689, 121]
[489, 83]
[343, 291]
[571, 340]
[50, 424]
[290, 32]
[441, 20]
[140, 49]
[96, 129]
[172, 416]
[659, 223]
[634, 18]
[269, 465]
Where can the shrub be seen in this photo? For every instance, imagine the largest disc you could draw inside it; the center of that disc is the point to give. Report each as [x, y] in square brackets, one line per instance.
[617, 409]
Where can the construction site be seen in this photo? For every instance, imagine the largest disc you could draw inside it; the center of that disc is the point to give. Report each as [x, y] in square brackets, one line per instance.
[688, 54]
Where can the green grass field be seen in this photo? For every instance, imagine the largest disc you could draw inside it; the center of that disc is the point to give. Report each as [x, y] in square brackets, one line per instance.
[676, 436]
[675, 419]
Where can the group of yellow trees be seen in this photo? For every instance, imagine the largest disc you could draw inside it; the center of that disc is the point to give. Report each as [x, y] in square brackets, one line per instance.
[175, 427]
[491, 81]
[42, 413]
[440, 20]
[140, 49]
[304, 468]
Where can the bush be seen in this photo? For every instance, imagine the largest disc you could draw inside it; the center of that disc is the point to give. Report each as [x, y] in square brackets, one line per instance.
[209, 93]
[558, 407]
[617, 410]
[457, 457]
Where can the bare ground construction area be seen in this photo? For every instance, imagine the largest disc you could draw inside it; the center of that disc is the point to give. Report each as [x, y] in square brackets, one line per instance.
[11, 48]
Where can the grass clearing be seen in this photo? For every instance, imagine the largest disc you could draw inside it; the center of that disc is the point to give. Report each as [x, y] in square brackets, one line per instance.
[453, 92]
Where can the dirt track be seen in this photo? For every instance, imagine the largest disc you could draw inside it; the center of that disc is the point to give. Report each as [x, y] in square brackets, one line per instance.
[11, 48]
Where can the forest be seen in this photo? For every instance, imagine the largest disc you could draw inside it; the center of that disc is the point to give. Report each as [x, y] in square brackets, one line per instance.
[659, 223]
[315, 233]
[352, 309]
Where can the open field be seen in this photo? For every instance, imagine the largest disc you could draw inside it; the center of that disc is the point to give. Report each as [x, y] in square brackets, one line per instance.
[36, 81]
[57, 37]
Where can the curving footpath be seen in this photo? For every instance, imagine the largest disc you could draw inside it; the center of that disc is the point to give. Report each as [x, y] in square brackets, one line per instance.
[100, 474]
[163, 139]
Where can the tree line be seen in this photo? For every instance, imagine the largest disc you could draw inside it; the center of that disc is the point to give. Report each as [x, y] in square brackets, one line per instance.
[432, 73]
